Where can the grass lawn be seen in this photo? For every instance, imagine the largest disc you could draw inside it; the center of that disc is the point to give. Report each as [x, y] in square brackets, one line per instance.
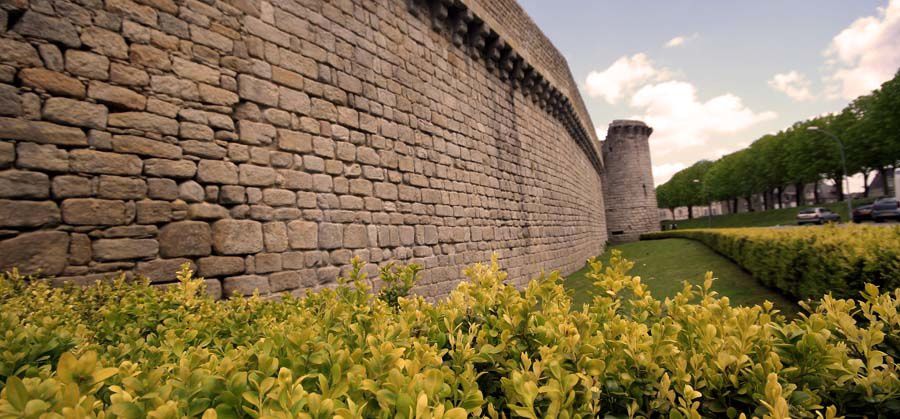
[664, 264]
[785, 216]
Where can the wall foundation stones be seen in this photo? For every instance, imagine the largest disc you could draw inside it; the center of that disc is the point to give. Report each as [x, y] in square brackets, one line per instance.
[265, 150]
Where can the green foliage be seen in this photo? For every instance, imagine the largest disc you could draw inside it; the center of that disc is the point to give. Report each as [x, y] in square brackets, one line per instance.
[129, 350]
[808, 262]
[869, 129]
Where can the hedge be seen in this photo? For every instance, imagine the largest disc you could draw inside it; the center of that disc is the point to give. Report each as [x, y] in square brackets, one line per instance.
[130, 350]
[808, 262]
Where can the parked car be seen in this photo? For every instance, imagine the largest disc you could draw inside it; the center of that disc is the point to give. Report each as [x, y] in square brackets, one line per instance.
[817, 216]
[862, 213]
[886, 208]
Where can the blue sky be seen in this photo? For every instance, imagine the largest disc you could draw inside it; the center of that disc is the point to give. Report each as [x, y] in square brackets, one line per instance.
[712, 76]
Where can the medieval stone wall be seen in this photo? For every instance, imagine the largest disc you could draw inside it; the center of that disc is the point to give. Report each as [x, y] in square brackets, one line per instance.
[631, 207]
[266, 143]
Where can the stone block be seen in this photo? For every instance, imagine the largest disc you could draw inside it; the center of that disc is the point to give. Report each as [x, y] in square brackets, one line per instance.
[101, 162]
[355, 236]
[28, 213]
[246, 285]
[163, 270]
[153, 212]
[252, 175]
[257, 90]
[132, 144]
[145, 122]
[45, 157]
[87, 64]
[74, 112]
[117, 96]
[330, 236]
[10, 102]
[178, 169]
[117, 187]
[40, 252]
[106, 250]
[217, 96]
[48, 27]
[96, 212]
[23, 184]
[216, 171]
[19, 54]
[275, 237]
[71, 187]
[105, 42]
[237, 237]
[304, 235]
[185, 238]
[214, 266]
[52, 81]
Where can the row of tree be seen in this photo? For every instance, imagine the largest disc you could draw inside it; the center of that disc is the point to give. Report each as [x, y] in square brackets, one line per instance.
[869, 128]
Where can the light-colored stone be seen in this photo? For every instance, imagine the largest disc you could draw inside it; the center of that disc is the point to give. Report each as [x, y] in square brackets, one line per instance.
[87, 64]
[237, 237]
[40, 252]
[118, 96]
[303, 235]
[163, 270]
[132, 144]
[144, 121]
[124, 249]
[97, 212]
[52, 81]
[246, 285]
[214, 266]
[24, 184]
[101, 162]
[214, 171]
[74, 112]
[256, 90]
[185, 238]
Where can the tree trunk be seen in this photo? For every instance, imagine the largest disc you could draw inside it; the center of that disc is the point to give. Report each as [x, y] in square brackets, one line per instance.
[884, 180]
[690, 212]
[798, 191]
[734, 204]
[816, 193]
[749, 200]
[865, 183]
[765, 200]
[839, 187]
[780, 197]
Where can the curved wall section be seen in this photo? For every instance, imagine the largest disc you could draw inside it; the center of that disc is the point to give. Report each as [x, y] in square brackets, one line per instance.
[268, 143]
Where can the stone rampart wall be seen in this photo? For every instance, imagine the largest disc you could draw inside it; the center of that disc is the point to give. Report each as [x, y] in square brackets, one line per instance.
[267, 143]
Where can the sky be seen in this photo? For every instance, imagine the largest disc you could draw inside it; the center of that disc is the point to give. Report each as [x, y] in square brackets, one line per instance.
[712, 76]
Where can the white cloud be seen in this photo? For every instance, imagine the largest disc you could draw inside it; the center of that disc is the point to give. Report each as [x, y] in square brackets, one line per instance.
[865, 54]
[793, 84]
[680, 40]
[681, 120]
[663, 172]
[622, 77]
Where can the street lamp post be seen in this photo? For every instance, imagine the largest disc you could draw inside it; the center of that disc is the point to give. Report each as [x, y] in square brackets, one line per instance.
[708, 203]
[843, 164]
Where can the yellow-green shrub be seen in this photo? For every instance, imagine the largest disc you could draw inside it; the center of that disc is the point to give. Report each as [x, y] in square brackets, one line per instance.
[130, 350]
[808, 262]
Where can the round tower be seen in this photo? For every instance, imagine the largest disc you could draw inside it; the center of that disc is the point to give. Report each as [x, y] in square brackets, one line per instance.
[628, 182]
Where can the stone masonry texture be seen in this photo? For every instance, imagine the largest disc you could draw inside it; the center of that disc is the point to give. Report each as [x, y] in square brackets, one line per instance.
[266, 143]
[631, 207]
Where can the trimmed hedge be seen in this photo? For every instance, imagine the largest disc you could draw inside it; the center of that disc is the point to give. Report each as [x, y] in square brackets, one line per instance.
[808, 262]
[129, 350]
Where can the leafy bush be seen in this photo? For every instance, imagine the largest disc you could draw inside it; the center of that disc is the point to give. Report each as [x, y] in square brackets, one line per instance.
[128, 350]
[808, 262]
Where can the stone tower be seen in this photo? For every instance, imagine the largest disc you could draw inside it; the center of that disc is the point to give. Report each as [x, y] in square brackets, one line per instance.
[628, 185]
